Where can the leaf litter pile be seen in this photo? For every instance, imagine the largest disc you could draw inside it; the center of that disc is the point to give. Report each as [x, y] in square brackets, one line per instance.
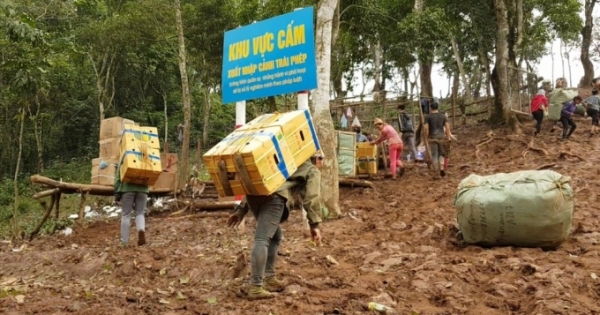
[397, 245]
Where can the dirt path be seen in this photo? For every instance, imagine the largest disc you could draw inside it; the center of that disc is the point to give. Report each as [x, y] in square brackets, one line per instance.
[399, 246]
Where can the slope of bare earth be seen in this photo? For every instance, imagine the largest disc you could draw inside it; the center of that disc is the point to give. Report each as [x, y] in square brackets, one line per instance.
[398, 246]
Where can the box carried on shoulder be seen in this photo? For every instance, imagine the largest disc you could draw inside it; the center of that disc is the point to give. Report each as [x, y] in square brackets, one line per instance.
[250, 162]
[298, 130]
[140, 162]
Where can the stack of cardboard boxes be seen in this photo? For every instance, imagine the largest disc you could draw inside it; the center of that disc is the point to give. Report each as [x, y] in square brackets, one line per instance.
[104, 167]
[259, 157]
[122, 141]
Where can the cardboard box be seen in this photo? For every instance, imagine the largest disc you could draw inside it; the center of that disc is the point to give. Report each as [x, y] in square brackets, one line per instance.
[366, 165]
[104, 171]
[166, 180]
[298, 130]
[365, 149]
[169, 162]
[265, 155]
[150, 135]
[109, 148]
[142, 168]
[113, 127]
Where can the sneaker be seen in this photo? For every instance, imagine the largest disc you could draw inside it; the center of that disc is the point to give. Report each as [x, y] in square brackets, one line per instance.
[257, 292]
[273, 284]
[122, 245]
[141, 238]
[443, 173]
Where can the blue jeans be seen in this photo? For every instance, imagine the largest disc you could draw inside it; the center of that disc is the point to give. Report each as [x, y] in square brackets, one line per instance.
[267, 236]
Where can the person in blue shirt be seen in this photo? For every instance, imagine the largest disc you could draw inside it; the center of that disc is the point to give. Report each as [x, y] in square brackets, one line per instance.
[566, 117]
[360, 137]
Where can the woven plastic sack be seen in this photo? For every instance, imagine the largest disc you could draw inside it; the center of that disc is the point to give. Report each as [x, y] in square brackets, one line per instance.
[525, 209]
[556, 101]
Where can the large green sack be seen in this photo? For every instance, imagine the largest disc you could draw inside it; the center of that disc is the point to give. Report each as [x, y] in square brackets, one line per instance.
[526, 209]
[556, 101]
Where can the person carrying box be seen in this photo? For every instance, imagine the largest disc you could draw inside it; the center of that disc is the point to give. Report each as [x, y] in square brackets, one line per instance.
[270, 211]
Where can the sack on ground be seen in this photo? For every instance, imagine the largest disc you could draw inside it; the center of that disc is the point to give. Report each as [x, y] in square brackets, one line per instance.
[526, 208]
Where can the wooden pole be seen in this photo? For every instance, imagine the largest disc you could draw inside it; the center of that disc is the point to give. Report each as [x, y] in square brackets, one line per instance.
[48, 210]
[427, 149]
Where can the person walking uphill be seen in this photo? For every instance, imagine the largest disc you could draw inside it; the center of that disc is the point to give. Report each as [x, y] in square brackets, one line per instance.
[270, 211]
[539, 109]
[395, 146]
[132, 197]
[437, 130]
[593, 109]
[406, 127]
[566, 117]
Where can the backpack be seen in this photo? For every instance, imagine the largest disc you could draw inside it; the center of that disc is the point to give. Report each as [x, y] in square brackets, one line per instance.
[405, 123]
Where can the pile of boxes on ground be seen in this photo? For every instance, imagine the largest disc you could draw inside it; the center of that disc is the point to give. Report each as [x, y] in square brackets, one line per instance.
[136, 148]
[355, 157]
[259, 157]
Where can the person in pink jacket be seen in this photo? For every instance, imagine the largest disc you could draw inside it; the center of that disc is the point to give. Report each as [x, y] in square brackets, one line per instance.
[395, 145]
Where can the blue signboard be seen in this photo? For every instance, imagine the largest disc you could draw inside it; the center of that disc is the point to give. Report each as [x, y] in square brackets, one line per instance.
[271, 57]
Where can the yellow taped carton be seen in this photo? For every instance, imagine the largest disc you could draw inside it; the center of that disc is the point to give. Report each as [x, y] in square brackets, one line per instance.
[150, 135]
[142, 168]
[263, 155]
[365, 149]
[366, 165]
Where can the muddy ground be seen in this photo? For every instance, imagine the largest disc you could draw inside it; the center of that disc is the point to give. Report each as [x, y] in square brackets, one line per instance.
[400, 246]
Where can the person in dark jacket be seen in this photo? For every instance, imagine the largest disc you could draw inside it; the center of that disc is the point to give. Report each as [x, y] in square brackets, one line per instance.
[131, 196]
[539, 107]
[270, 211]
[406, 127]
[566, 117]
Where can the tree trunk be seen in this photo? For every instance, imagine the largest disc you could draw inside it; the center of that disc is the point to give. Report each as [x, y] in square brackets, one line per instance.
[377, 61]
[16, 228]
[586, 41]
[505, 76]
[455, 84]
[164, 96]
[37, 131]
[206, 118]
[562, 61]
[272, 104]
[425, 61]
[485, 63]
[461, 71]
[185, 95]
[322, 114]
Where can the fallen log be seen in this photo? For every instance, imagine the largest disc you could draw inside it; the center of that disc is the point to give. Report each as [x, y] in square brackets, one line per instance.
[356, 182]
[204, 205]
[75, 188]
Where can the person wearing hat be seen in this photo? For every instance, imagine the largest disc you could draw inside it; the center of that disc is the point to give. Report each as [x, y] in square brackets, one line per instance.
[395, 145]
[270, 211]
